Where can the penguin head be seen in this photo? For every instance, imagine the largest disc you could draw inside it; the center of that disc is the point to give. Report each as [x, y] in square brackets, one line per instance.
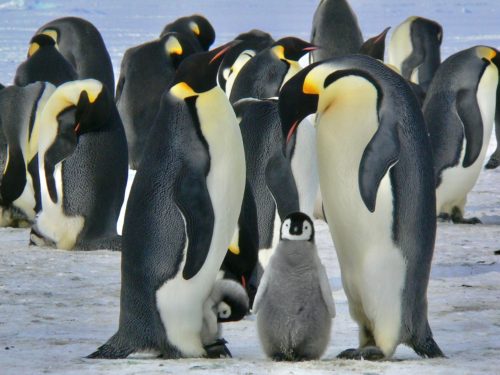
[198, 72]
[233, 304]
[177, 47]
[291, 48]
[297, 226]
[203, 30]
[375, 47]
[40, 41]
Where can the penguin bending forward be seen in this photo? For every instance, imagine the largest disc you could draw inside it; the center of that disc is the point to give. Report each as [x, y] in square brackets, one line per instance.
[459, 110]
[294, 303]
[181, 216]
[82, 153]
[373, 153]
[196, 28]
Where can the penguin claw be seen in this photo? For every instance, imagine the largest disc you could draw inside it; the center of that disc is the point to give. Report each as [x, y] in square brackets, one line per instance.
[218, 349]
[492, 163]
[369, 353]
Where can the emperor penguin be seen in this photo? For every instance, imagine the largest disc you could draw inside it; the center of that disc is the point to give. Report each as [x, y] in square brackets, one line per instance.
[82, 45]
[414, 49]
[459, 110]
[145, 73]
[263, 76]
[375, 46]
[228, 302]
[335, 29]
[373, 153]
[251, 43]
[181, 216]
[495, 157]
[195, 27]
[294, 303]
[82, 153]
[20, 113]
[44, 64]
[271, 188]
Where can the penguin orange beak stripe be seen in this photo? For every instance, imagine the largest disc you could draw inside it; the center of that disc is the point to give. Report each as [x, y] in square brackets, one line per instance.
[311, 48]
[220, 53]
[292, 130]
[77, 128]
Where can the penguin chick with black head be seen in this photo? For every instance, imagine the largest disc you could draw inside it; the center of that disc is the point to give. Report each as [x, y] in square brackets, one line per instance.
[263, 76]
[45, 63]
[373, 153]
[181, 215]
[294, 303]
[195, 27]
[459, 110]
[146, 71]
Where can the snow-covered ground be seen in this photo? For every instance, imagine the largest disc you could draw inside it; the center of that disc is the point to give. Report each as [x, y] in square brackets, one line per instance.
[58, 306]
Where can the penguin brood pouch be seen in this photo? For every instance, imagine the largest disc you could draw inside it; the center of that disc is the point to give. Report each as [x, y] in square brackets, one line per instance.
[82, 155]
[294, 303]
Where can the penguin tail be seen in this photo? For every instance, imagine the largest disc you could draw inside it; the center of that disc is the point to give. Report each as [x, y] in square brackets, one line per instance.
[115, 348]
[427, 348]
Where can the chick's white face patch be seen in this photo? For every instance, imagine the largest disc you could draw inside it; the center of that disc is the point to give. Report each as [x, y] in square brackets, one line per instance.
[296, 231]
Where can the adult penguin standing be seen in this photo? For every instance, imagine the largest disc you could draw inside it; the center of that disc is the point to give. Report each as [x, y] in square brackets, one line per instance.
[181, 216]
[335, 29]
[82, 45]
[373, 153]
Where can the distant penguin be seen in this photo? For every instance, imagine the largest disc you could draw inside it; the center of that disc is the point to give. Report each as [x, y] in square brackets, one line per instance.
[181, 216]
[263, 76]
[294, 303]
[335, 30]
[228, 302]
[414, 49]
[375, 46]
[20, 113]
[82, 45]
[44, 64]
[250, 44]
[495, 157]
[373, 153]
[82, 153]
[145, 73]
[270, 193]
[459, 110]
[196, 27]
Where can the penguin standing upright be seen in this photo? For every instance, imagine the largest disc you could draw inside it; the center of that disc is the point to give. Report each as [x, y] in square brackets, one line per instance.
[373, 154]
[195, 27]
[263, 76]
[181, 216]
[82, 153]
[20, 113]
[414, 49]
[145, 73]
[459, 110]
[335, 29]
[294, 303]
[44, 64]
[82, 45]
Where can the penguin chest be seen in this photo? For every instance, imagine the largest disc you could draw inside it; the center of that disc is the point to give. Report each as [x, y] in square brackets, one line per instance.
[400, 47]
[363, 239]
[457, 181]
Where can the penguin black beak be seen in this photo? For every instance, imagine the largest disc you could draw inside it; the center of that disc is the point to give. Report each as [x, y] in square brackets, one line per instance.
[294, 104]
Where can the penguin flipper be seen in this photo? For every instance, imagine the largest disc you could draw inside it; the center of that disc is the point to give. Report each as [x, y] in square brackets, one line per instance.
[193, 200]
[279, 180]
[261, 291]
[14, 177]
[470, 114]
[326, 291]
[381, 153]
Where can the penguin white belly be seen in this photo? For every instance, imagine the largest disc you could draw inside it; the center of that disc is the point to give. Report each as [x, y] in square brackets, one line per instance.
[231, 73]
[304, 166]
[265, 254]
[180, 302]
[456, 182]
[26, 201]
[400, 46]
[373, 268]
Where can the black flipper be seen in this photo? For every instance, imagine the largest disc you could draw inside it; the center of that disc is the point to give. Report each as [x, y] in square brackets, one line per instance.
[192, 198]
[468, 110]
[280, 182]
[380, 154]
[14, 178]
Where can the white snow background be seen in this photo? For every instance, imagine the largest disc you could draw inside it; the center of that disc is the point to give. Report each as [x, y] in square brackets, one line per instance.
[58, 306]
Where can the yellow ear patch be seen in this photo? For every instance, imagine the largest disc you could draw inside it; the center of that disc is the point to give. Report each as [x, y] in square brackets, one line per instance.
[173, 47]
[195, 28]
[279, 51]
[33, 48]
[310, 87]
[234, 249]
[487, 53]
[182, 90]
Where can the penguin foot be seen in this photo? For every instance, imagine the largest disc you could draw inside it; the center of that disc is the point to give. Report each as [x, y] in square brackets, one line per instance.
[218, 349]
[36, 239]
[492, 163]
[369, 353]
[458, 218]
[444, 217]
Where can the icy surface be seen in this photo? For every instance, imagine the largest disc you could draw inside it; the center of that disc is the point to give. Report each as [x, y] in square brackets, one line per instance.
[58, 306]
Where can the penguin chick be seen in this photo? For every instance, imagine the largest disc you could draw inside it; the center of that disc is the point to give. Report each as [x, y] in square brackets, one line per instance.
[294, 303]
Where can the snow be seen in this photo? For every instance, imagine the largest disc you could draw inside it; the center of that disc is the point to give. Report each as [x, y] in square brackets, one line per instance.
[58, 306]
